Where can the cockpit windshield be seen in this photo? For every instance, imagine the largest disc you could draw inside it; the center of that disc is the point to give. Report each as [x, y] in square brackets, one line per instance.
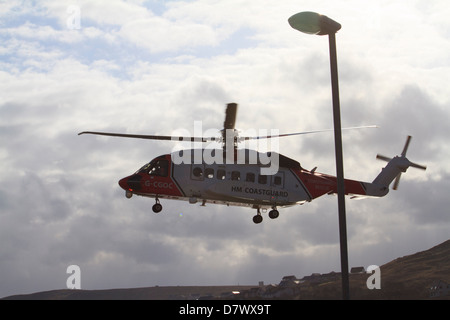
[156, 167]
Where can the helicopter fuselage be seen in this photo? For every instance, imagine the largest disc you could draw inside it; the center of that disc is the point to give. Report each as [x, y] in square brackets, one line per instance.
[241, 184]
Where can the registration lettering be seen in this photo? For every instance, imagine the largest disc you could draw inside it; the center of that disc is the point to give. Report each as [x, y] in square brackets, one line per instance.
[259, 191]
[159, 184]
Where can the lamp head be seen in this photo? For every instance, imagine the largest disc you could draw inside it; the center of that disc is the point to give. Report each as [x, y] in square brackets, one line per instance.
[313, 23]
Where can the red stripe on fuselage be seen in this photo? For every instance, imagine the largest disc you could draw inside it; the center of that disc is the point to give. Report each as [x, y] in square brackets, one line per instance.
[161, 185]
[143, 183]
[319, 184]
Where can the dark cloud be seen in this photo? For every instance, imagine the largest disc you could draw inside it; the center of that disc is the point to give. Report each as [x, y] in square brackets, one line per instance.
[416, 193]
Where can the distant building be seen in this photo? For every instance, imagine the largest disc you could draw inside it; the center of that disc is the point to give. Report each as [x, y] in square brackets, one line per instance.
[252, 293]
[289, 281]
[357, 270]
[314, 278]
[229, 294]
[271, 291]
[439, 288]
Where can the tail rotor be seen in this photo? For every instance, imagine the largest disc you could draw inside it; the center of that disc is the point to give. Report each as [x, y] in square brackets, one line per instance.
[401, 163]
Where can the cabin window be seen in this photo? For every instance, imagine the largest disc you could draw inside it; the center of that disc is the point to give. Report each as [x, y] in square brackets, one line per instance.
[221, 174]
[197, 172]
[157, 168]
[209, 173]
[262, 179]
[250, 177]
[235, 175]
[277, 180]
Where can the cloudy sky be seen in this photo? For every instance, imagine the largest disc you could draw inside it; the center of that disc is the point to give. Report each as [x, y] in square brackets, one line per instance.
[155, 67]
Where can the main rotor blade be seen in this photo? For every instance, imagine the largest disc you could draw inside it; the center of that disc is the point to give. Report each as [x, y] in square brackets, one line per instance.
[150, 137]
[405, 148]
[380, 157]
[230, 116]
[397, 181]
[299, 133]
[418, 166]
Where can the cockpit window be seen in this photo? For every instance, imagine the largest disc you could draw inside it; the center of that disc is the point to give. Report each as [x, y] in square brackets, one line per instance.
[157, 167]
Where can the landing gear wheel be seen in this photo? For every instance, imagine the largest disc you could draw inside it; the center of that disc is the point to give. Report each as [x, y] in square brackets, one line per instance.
[257, 219]
[157, 207]
[128, 194]
[273, 214]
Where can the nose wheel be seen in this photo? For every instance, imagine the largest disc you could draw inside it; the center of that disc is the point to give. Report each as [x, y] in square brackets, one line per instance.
[157, 207]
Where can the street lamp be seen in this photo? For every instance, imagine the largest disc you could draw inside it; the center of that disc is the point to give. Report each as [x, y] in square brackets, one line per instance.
[314, 23]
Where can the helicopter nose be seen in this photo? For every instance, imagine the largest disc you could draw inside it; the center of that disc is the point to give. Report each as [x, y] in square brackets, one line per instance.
[131, 183]
[123, 183]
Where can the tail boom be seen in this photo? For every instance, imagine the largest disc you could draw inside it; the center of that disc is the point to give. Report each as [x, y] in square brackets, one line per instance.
[360, 189]
[319, 184]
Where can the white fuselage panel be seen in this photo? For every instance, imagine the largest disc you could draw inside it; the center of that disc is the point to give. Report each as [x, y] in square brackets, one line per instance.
[239, 183]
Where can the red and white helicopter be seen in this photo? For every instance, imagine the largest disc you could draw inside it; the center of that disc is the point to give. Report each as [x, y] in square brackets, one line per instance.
[237, 177]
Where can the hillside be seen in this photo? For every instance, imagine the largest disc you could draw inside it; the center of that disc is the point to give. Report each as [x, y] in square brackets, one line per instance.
[148, 293]
[408, 277]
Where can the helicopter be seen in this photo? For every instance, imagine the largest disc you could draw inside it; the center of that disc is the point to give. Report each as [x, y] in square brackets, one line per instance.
[244, 177]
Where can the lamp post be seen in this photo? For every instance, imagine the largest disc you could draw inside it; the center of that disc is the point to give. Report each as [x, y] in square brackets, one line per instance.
[314, 23]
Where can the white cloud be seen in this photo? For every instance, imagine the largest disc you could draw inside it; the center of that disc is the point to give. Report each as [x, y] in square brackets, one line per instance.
[160, 35]
[30, 31]
[100, 12]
